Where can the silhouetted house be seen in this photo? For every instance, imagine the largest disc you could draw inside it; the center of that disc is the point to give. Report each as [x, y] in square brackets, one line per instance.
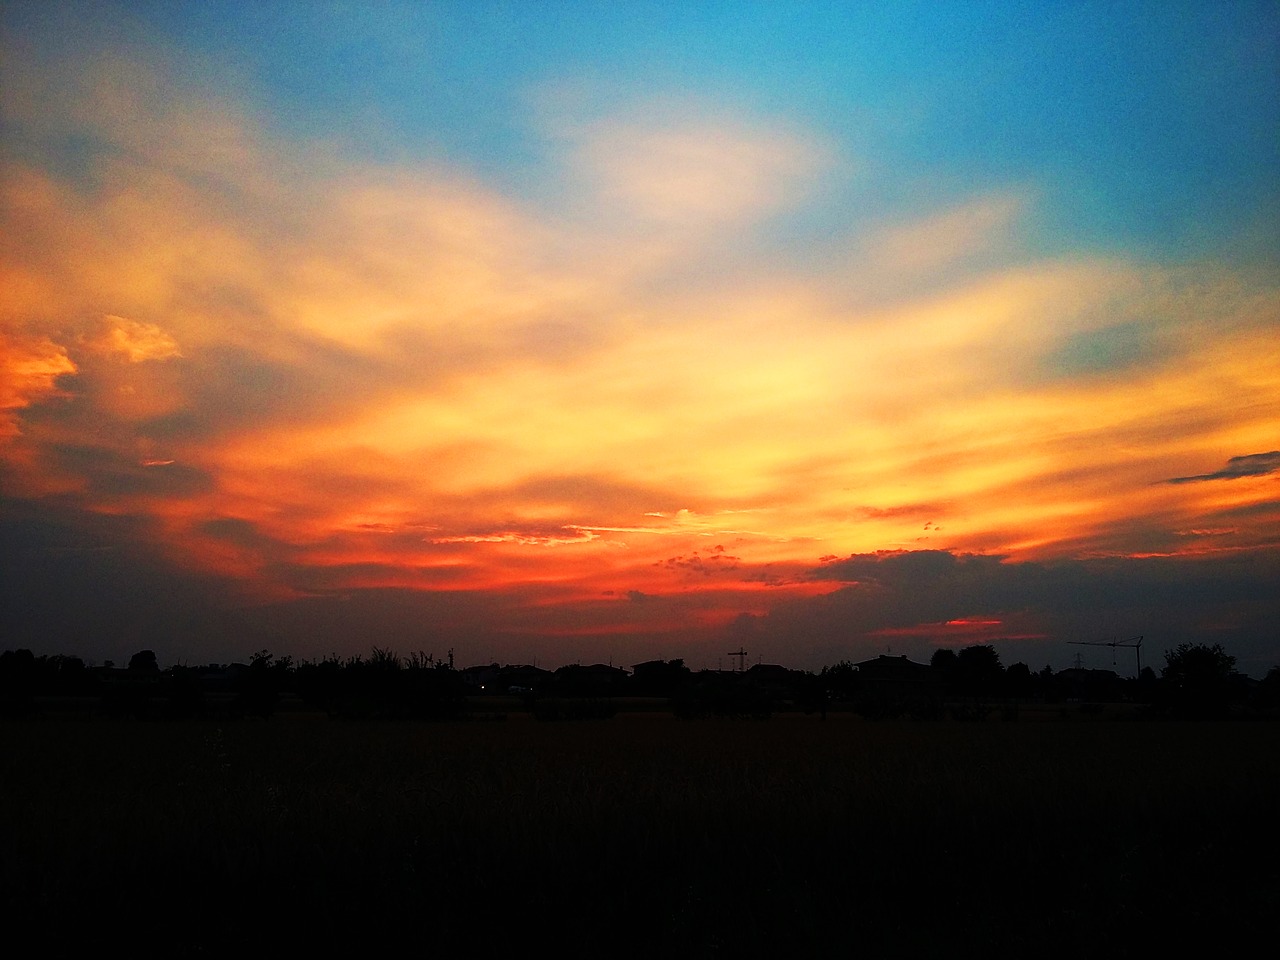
[482, 678]
[659, 678]
[522, 679]
[886, 670]
[898, 685]
[771, 679]
[594, 680]
[769, 673]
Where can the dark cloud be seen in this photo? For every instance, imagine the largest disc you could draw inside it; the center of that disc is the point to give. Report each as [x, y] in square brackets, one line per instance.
[94, 585]
[1226, 598]
[898, 564]
[1247, 510]
[714, 562]
[88, 584]
[228, 387]
[219, 390]
[240, 532]
[110, 473]
[1252, 465]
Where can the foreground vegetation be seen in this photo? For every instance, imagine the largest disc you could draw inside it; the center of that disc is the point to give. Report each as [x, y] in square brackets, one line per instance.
[640, 836]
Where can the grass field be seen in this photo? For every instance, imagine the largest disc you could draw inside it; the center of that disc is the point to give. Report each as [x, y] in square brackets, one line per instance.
[641, 836]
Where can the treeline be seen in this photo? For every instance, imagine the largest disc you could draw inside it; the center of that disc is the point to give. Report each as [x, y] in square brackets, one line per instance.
[383, 685]
[1197, 681]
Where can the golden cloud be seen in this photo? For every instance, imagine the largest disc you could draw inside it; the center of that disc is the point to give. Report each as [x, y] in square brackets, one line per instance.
[369, 350]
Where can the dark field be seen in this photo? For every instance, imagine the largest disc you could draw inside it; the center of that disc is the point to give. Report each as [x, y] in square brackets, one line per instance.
[640, 836]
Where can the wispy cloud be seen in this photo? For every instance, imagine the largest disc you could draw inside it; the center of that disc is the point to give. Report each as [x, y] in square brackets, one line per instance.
[691, 167]
[973, 229]
[567, 535]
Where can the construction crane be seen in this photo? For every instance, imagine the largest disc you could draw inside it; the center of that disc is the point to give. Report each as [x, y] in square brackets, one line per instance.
[1134, 642]
[742, 658]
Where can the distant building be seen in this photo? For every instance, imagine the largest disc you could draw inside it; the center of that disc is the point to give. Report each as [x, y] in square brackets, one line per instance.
[484, 678]
[885, 669]
[522, 679]
[773, 680]
[593, 680]
[659, 678]
[890, 686]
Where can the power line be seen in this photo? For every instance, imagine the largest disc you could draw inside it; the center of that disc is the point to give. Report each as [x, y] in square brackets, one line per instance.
[1133, 642]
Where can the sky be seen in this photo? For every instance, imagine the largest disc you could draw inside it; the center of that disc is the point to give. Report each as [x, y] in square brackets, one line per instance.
[593, 332]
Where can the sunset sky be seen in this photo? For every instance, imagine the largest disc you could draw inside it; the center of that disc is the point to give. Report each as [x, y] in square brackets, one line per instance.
[605, 332]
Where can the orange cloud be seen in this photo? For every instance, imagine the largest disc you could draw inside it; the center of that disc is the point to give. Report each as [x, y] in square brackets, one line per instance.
[137, 342]
[353, 375]
[29, 368]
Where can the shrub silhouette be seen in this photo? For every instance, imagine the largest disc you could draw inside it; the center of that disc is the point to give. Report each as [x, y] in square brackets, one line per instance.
[385, 686]
[260, 684]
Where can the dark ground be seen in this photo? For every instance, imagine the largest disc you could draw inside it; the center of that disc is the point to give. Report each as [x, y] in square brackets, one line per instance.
[639, 836]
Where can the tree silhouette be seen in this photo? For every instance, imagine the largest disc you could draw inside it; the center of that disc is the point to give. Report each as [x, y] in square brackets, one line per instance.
[1197, 680]
[1019, 680]
[840, 680]
[144, 661]
[978, 671]
[1268, 695]
[944, 661]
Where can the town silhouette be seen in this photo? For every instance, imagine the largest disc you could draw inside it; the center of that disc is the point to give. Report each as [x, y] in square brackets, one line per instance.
[883, 808]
